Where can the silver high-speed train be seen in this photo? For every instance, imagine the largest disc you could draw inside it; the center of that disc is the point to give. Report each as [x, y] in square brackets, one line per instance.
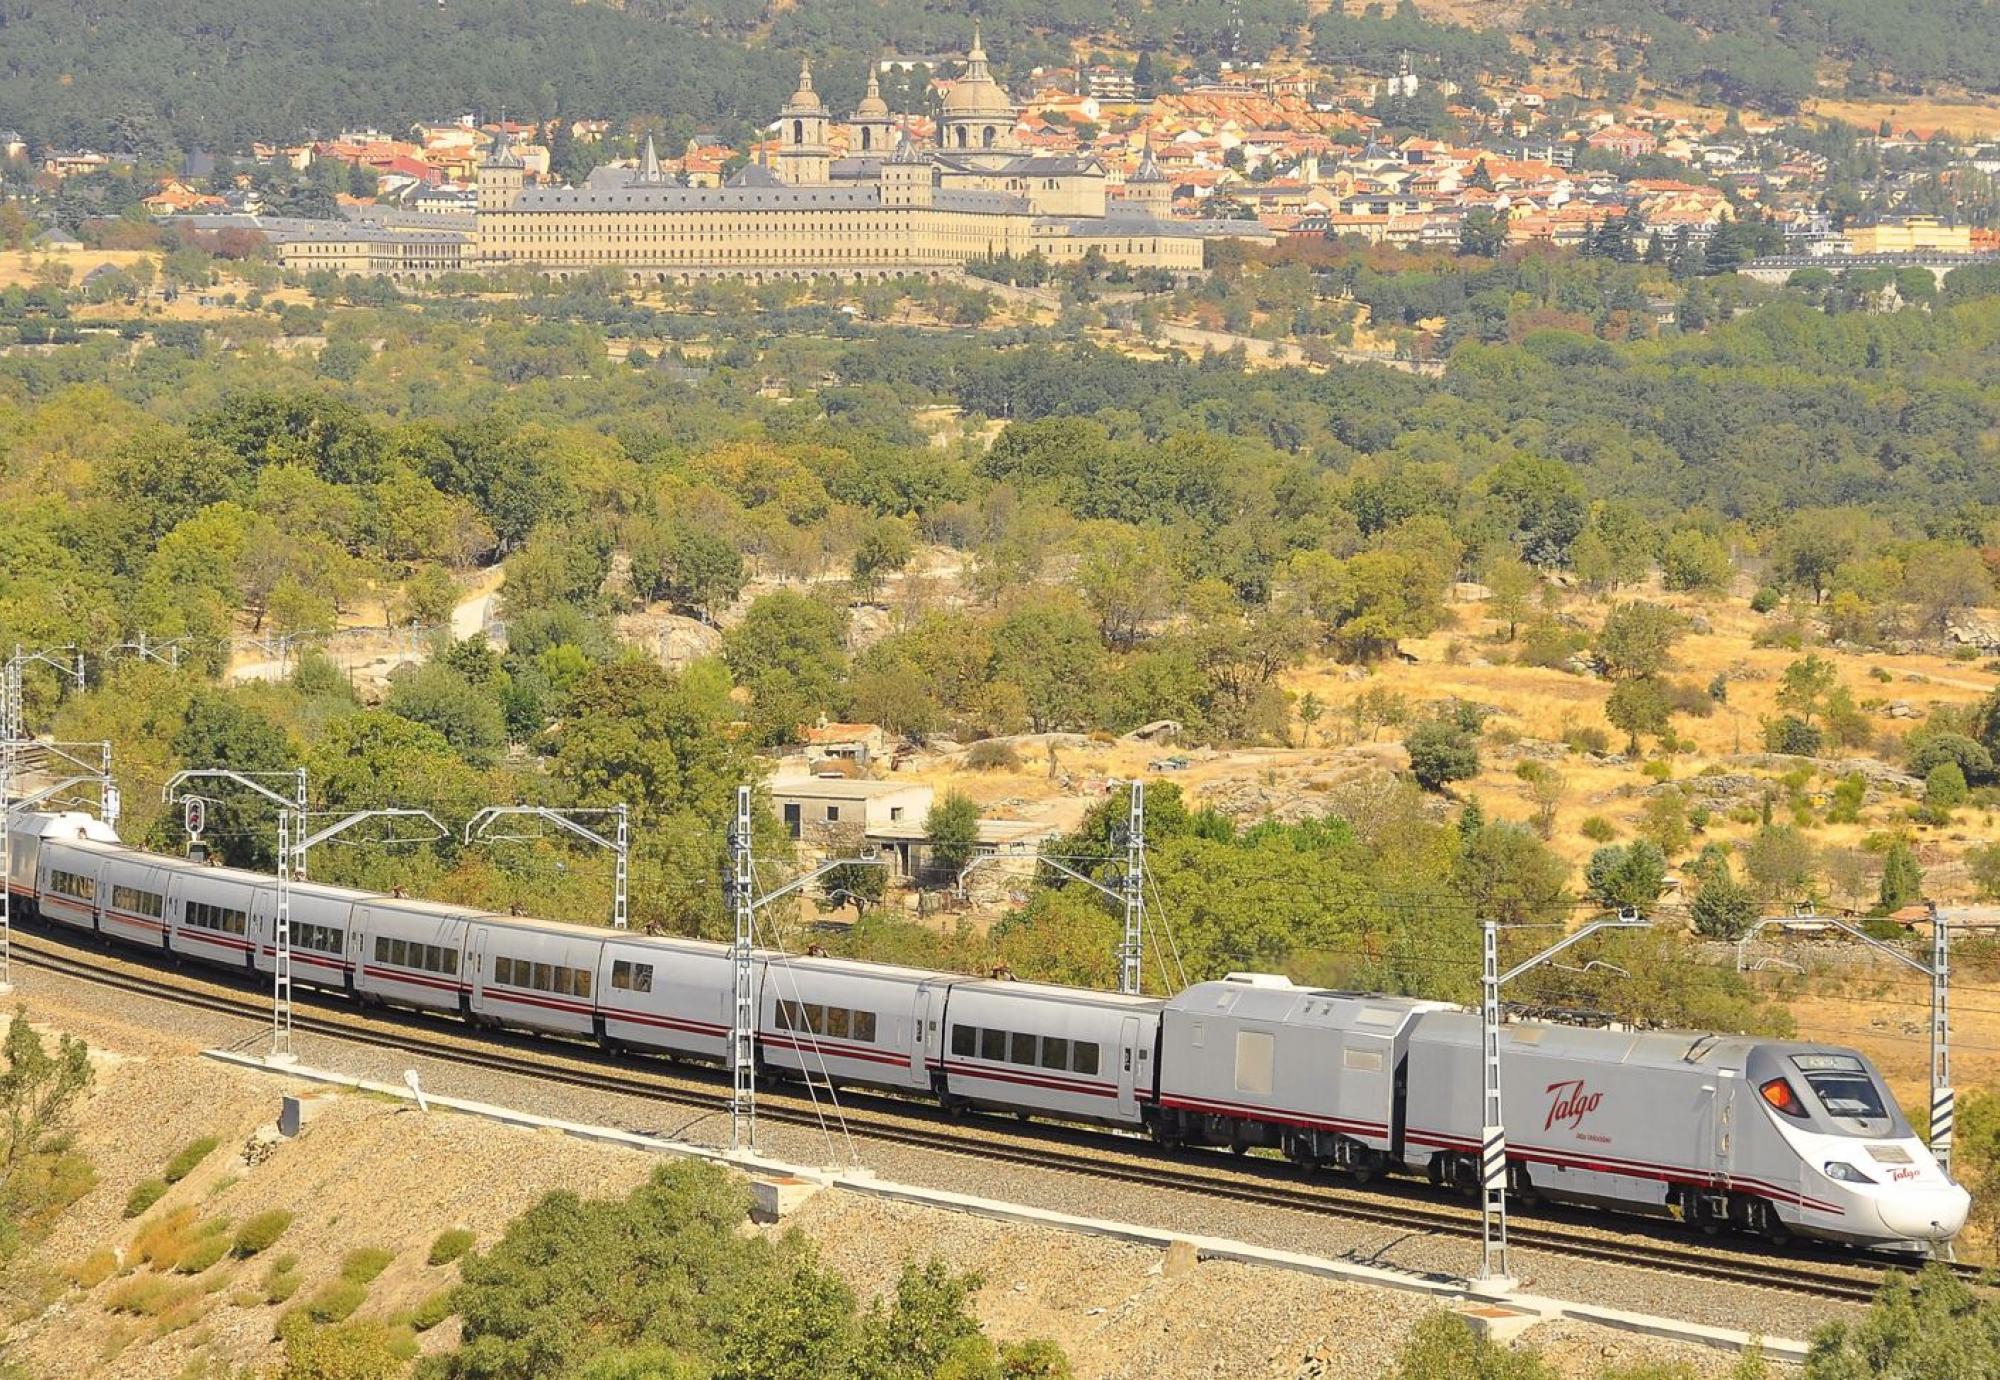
[1775, 1138]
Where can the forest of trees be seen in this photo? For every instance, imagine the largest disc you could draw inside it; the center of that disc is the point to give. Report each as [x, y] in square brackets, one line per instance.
[1768, 53]
[155, 77]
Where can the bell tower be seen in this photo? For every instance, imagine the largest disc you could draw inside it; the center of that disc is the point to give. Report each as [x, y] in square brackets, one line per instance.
[501, 175]
[803, 152]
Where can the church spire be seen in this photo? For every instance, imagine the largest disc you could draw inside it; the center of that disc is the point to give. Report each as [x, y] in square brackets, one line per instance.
[975, 58]
[649, 162]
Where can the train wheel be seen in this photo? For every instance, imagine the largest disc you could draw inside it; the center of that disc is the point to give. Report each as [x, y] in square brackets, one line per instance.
[1364, 1172]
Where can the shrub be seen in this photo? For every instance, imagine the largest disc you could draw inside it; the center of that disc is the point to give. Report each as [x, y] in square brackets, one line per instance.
[261, 1231]
[1877, 673]
[1944, 787]
[450, 1245]
[161, 1241]
[346, 1352]
[992, 756]
[1790, 734]
[335, 1301]
[1657, 770]
[95, 1268]
[1588, 738]
[281, 1280]
[1766, 599]
[364, 1264]
[149, 1296]
[1598, 829]
[203, 1253]
[190, 1155]
[434, 1310]
[144, 1194]
[1685, 697]
[1932, 750]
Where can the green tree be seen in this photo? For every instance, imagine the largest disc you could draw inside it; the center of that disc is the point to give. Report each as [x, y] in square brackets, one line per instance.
[1625, 875]
[789, 652]
[39, 1172]
[1902, 879]
[1694, 561]
[1513, 583]
[1638, 706]
[1442, 1347]
[1723, 908]
[1050, 650]
[220, 731]
[1805, 685]
[439, 697]
[952, 830]
[1638, 640]
[1441, 752]
[1781, 863]
[1934, 1326]
[1507, 873]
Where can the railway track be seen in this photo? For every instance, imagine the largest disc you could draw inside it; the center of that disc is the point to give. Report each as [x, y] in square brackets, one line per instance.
[1100, 1155]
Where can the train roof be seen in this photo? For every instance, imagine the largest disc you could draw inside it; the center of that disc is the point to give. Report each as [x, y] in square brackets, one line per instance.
[1263, 997]
[63, 826]
[243, 876]
[1648, 1048]
[1048, 991]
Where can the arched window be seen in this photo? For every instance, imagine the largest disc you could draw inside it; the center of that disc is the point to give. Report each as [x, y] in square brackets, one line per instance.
[961, 136]
[798, 131]
[986, 138]
[867, 138]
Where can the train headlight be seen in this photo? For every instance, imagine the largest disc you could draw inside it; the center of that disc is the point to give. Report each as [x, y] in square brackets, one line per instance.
[1846, 1173]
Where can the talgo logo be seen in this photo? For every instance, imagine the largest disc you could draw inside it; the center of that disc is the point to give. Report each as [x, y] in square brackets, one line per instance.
[1570, 1104]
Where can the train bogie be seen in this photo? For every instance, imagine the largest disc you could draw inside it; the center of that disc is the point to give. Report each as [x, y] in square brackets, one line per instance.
[671, 995]
[534, 975]
[411, 953]
[838, 1021]
[1050, 1051]
[1255, 1061]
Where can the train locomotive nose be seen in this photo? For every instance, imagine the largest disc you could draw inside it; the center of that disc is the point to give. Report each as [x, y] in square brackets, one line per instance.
[1934, 1212]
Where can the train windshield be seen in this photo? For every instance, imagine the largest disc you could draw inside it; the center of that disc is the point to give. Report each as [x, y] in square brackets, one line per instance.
[1843, 1086]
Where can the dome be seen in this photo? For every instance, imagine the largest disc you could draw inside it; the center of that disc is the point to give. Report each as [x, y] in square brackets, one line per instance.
[872, 106]
[976, 93]
[805, 98]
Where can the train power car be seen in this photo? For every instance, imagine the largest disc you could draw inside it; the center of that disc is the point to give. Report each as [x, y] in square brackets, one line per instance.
[1772, 1137]
[1255, 1061]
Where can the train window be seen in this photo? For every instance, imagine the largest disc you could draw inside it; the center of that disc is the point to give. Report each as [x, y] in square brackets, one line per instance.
[864, 1027]
[582, 981]
[503, 971]
[382, 950]
[815, 1015]
[838, 1022]
[451, 961]
[642, 977]
[1083, 1057]
[1055, 1053]
[1848, 1094]
[784, 1016]
[74, 885]
[1021, 1049]
[993, 1045]
[137, 902]
[633, 977]
[964, 1039]
[399, 952]
[565, 985]
[539, 977]
[1255, 1052]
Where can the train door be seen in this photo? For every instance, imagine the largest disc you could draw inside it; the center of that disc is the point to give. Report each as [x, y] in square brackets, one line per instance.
[472, 982]
[1128, 1065]
[1722, 1118]
[927, 1035]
